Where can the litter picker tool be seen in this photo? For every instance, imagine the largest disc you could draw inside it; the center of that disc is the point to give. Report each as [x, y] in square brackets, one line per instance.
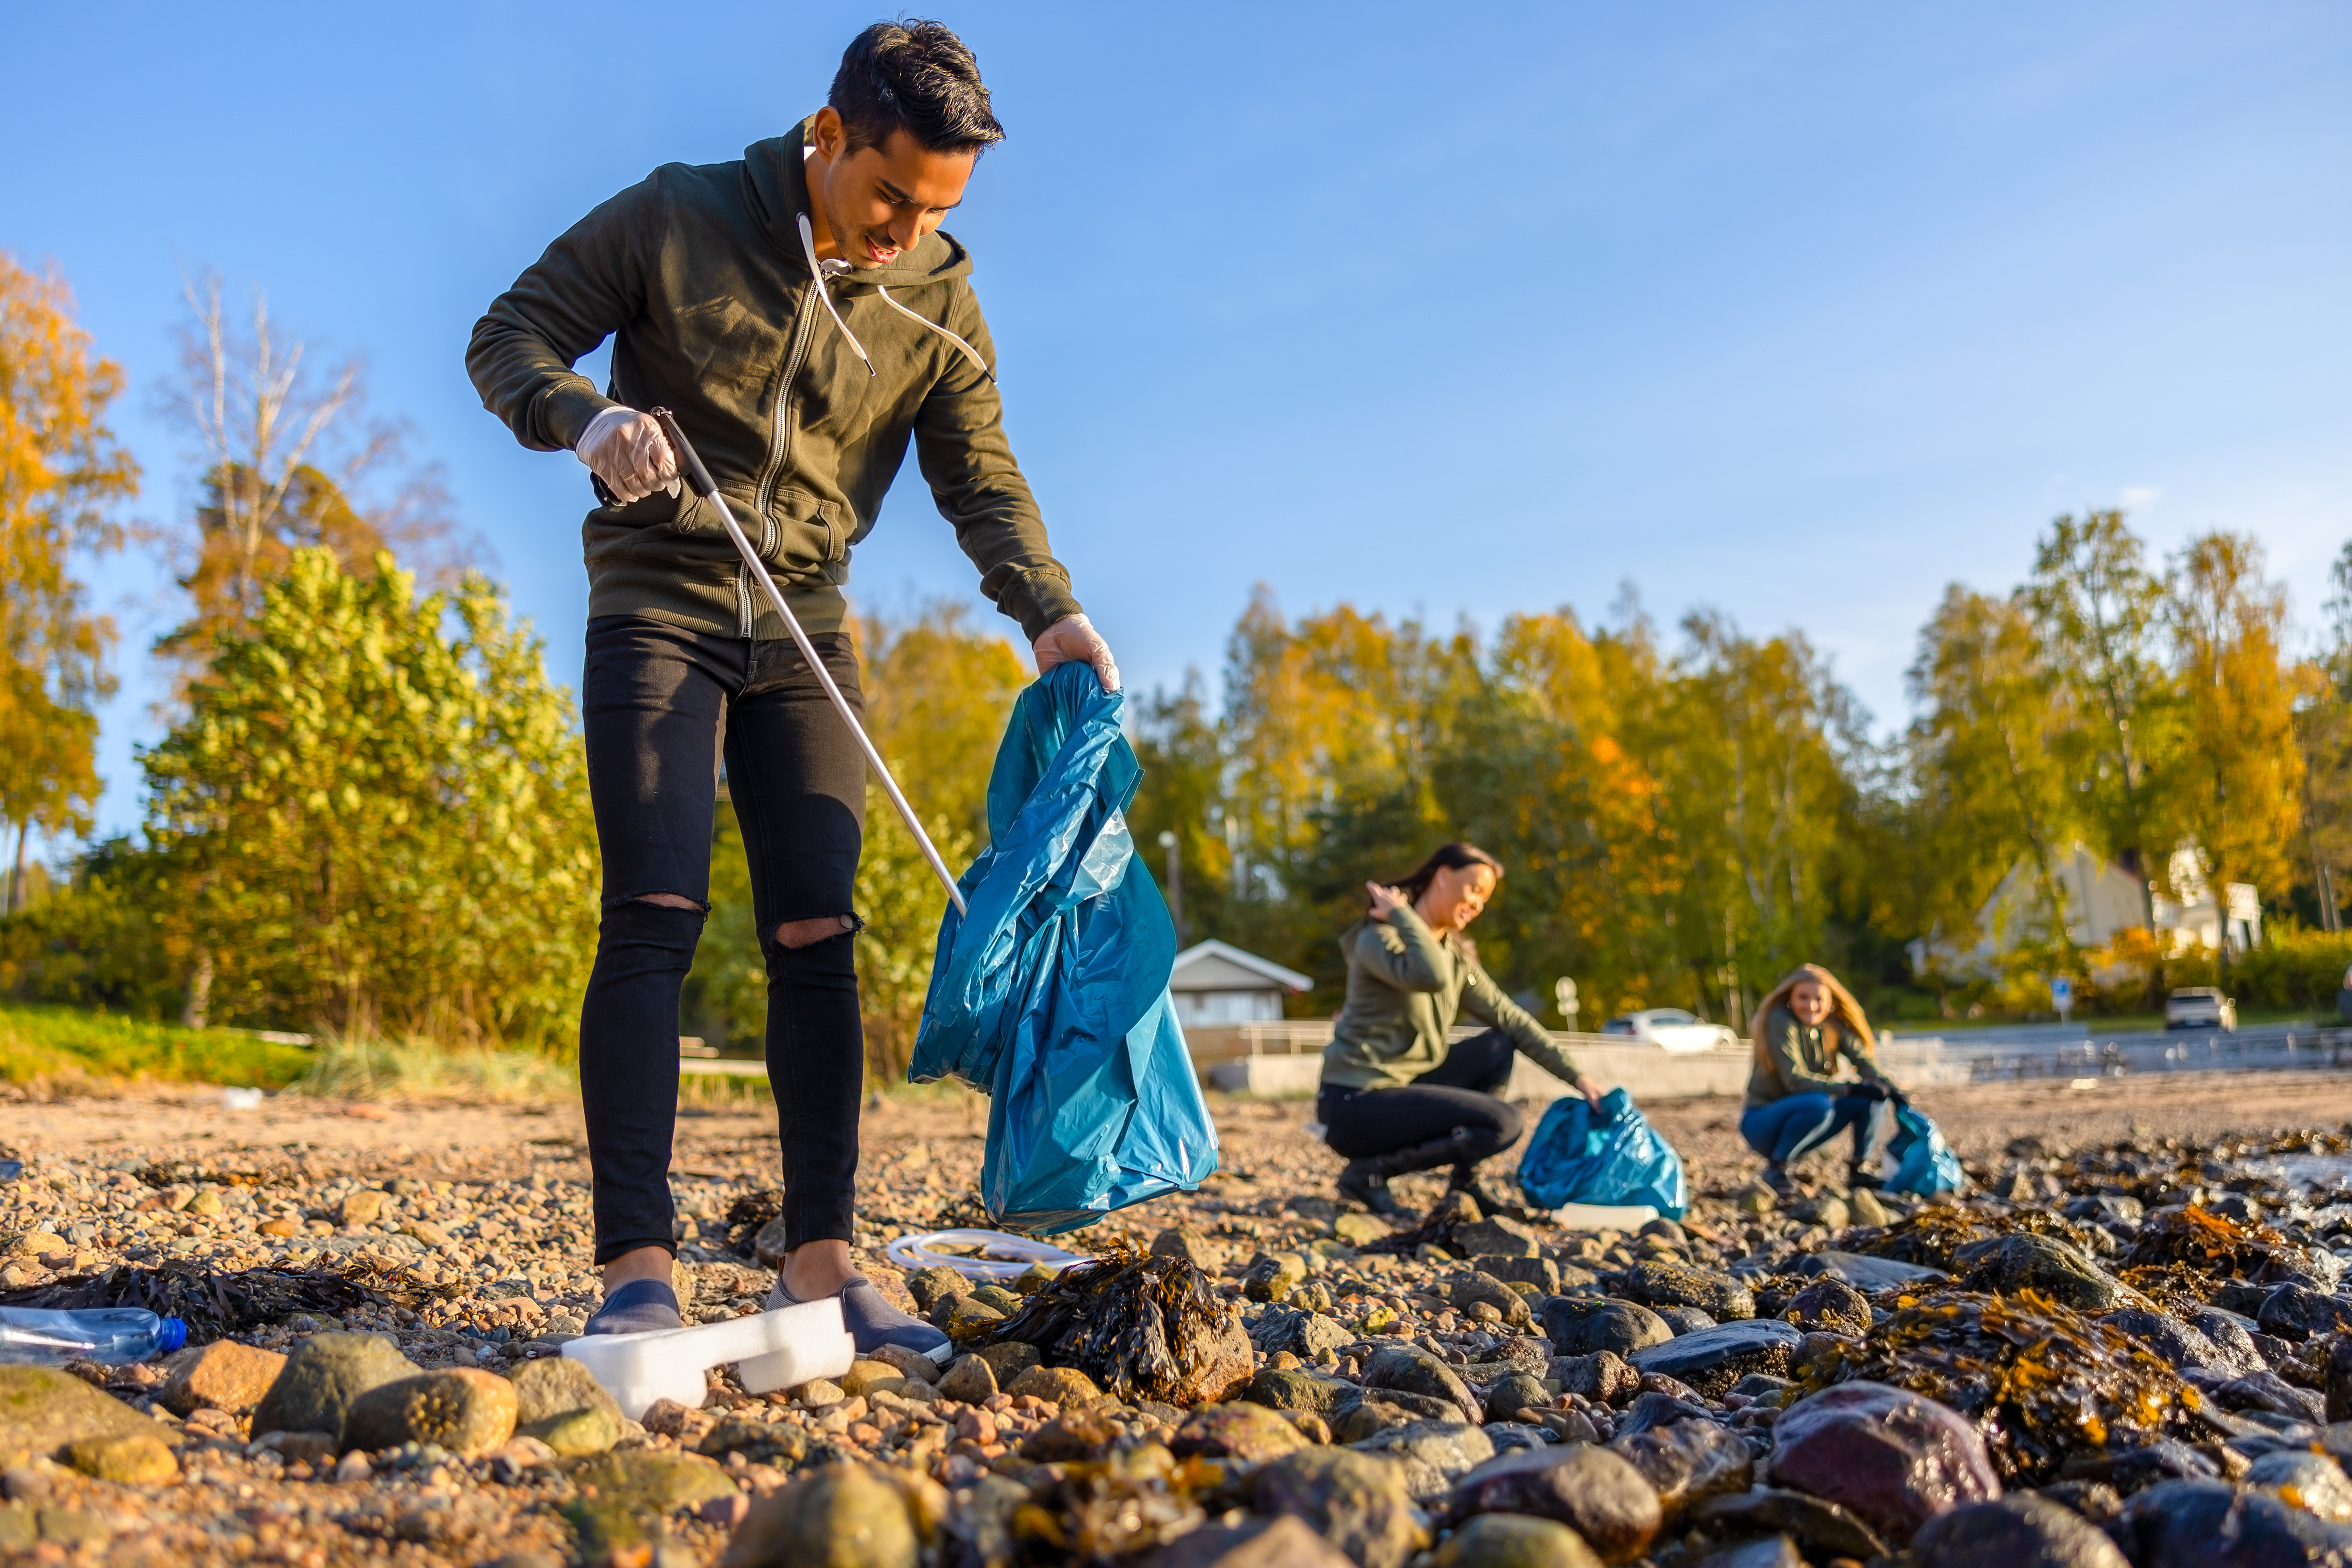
[698, 479]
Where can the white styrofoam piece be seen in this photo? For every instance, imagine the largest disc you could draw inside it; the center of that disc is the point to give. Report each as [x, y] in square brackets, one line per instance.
[1603, 1216]
[779, 1349]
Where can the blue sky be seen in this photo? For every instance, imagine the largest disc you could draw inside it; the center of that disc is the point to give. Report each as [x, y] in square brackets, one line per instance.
[1797, 311]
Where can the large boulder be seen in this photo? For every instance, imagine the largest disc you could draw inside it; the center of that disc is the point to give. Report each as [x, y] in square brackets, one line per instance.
[1896, 1458]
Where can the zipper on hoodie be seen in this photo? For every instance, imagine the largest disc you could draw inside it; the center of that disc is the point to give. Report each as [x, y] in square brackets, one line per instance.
[779, 448]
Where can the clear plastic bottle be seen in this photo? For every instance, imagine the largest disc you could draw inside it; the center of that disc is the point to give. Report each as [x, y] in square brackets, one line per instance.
[46, 1337]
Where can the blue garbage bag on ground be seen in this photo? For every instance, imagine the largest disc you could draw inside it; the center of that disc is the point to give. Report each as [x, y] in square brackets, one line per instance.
[1612, 1156]
[1918, 1160]
[1051, 995]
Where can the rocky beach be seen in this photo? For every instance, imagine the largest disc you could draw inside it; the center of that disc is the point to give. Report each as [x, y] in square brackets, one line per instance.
[2125, 1344]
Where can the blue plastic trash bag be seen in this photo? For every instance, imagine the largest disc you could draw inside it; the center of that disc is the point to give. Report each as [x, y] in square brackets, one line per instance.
[1918, 1160]
[1051, 995]
[1613, 1157]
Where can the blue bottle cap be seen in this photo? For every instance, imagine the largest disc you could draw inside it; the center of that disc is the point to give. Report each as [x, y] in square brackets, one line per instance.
[169, 1336]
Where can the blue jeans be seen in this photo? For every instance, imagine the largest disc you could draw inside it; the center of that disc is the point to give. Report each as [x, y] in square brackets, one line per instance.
[1787, 1128]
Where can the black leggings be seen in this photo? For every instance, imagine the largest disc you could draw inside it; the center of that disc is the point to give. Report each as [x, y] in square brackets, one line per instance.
[658, 703]
[1459, 1091]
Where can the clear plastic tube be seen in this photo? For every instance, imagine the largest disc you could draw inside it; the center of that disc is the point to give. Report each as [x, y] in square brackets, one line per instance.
[1004, 1256]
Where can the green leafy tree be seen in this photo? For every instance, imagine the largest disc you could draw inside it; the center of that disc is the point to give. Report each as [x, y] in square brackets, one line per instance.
[2098, 611]
[375, 818]
[1987, 756]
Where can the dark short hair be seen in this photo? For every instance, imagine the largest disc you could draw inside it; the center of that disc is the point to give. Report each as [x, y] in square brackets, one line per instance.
[917, 77]
[1455, 856]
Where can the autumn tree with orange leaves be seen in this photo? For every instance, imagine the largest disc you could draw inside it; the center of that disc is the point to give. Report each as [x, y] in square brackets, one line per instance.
[62, 479]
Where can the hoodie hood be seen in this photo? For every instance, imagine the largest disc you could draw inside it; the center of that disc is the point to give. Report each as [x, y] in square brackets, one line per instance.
[777, 175]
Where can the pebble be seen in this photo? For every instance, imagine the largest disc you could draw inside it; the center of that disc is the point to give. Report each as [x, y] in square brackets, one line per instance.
[326, 1373]
[1611, 1505]
[2024, 1532]
[1712, 1360]
[222, 1376]
[842, 1516]
[465, 1410]
[1894, 1458]
[1358, 1503]
[1508, 1541]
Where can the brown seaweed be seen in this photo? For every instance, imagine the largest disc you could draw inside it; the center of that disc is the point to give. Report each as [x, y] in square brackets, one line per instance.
[215, 1304]
[2041, 1381]
[1141, 1327]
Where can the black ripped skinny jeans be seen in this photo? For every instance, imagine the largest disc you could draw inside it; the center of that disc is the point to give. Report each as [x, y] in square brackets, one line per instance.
[660, 706]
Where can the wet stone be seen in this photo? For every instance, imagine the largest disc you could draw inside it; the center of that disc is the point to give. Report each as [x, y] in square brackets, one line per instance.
[1356, 1501]
[1597, 1493]
[1659, 1409]
[1654, 1282]
[2025, 1262]
[1829, 1305]
[1824, 1527]
[1765, 1552]
[1497, 1235]
[1579, 1325]
[2211, 1524]
[1712, 1360]
[2269, 1391]
[2312, 1482]
[2020, 1531]
[2297, 1311]
[1895, 1459]
[1510, 1541]
[2177, 1343]
[1512, 1393]
[2128, 1471]
[1410, 1369]
[1435, 1454]
[2230, 1337]
[1864, 1273]
[1603, 1375]
[1284, 1542]
[1686, 1462]
[1684, 1319]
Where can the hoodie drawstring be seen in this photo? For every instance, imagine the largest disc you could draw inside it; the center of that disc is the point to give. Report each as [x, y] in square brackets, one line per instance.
[817, 272]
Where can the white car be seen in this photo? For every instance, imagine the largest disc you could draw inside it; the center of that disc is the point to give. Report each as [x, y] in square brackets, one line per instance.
[2200, 1006]
[1671, 1029]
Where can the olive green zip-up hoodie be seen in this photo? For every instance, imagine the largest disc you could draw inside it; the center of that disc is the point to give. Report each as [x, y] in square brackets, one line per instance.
[704, 274]
[1406, 985]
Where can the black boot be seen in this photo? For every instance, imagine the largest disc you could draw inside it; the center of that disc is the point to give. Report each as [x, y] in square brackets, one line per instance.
[1365, 1181]
[1464, 1179]
[1861, 1176]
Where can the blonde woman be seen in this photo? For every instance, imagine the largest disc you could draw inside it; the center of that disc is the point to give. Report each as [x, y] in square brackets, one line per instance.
[1796, 1101]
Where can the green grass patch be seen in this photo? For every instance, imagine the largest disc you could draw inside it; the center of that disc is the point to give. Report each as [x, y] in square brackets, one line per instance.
[49, 1044]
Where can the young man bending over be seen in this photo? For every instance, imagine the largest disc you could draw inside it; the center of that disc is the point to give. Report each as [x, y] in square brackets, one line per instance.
[802, 313]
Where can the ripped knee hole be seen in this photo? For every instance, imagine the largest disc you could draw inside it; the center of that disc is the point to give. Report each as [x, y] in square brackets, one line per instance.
[669, 901]
[802, 932]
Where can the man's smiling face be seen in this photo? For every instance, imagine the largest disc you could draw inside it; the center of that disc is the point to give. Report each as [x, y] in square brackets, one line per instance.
[876, 202]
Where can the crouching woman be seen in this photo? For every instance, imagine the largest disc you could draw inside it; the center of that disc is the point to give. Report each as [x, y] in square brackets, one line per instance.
[1397, 1095]
[1796, 1101]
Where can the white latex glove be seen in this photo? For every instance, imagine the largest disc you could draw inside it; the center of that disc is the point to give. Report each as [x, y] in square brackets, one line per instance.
[1073, 640]
[627, 451]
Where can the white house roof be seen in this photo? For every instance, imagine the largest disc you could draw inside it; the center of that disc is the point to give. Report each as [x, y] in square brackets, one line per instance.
[1214, 966]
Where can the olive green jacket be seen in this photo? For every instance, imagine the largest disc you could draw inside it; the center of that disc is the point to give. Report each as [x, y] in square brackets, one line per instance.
[1405, 987]
[1801, 1058]
[701, 275]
